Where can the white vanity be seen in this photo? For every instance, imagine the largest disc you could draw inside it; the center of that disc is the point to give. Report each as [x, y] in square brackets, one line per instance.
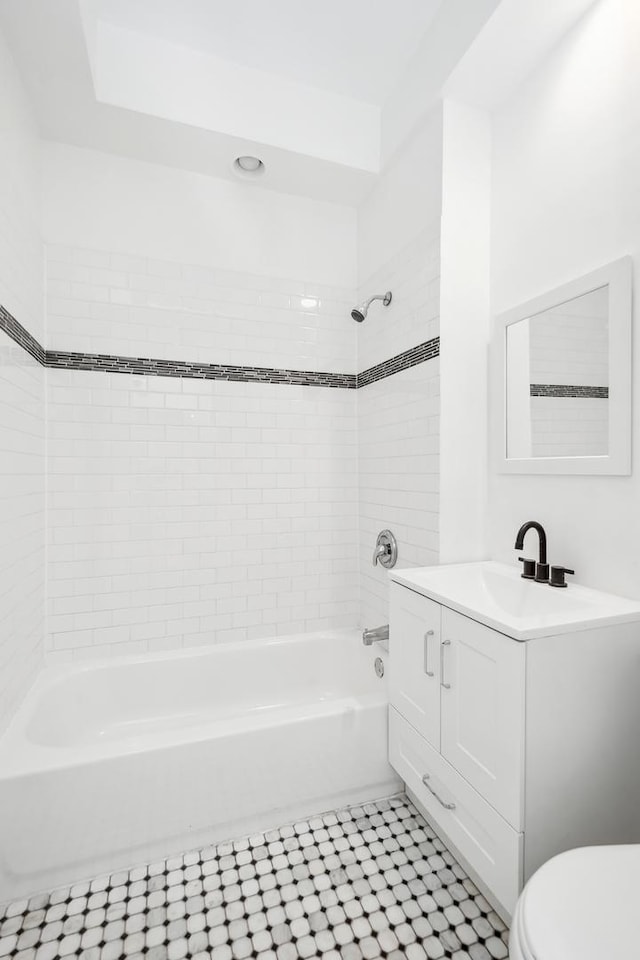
[515, 715]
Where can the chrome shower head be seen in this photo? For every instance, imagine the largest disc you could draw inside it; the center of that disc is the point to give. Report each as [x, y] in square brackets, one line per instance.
[360, 311]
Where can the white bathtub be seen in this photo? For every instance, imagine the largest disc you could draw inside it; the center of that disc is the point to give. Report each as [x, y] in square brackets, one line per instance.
[125, 761]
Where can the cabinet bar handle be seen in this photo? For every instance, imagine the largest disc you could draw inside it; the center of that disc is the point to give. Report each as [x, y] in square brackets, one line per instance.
[428, 634]
[447, 806]
[445, 643]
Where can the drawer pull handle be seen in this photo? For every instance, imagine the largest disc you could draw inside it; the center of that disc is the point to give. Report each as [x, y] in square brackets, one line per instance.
[447, 806]
[428, 634]
[445, 643]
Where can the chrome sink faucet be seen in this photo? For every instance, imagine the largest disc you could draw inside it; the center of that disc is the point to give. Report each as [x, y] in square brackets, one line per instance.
[534, 571]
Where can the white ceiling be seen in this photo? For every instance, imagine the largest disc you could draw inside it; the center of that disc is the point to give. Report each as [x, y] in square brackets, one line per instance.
[356, 48]
[322, 68]
[324, 91]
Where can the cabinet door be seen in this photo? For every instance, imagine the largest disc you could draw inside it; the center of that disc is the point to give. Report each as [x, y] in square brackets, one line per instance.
[414, 662]
[483, 692]
[479, 834]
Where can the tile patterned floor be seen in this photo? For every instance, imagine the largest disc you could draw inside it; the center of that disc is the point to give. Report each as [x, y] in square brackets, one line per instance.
[362, 883]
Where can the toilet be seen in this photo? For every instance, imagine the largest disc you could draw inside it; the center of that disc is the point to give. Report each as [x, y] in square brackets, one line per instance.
[582, 904]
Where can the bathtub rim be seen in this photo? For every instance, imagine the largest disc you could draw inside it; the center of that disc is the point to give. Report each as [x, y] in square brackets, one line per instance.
[54, 665]
[21, 756]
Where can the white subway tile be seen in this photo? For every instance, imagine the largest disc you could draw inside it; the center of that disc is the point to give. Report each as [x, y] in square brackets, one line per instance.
[398, 423]
[165, 492]
[22, 439]
[115, 303]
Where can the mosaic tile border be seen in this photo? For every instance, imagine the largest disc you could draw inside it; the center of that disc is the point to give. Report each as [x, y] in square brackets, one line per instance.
[146, 366]
[20, 335]
[402, 361]
[199, 371]
[364, 882]
[564, 390]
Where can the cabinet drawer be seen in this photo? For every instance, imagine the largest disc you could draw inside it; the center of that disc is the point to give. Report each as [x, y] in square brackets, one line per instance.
[490, 846]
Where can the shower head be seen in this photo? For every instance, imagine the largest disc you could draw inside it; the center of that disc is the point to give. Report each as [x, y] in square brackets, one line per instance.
[360, 311]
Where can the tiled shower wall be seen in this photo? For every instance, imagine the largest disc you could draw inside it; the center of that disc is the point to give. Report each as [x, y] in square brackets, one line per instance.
[185, 511]
[398, 422]
[182, 510]
[114, 303]
[21, 400]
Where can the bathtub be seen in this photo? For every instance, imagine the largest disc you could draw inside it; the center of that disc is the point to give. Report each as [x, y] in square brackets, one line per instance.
[124, 761]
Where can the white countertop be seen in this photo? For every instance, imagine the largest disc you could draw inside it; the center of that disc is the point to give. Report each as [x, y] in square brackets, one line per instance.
[495, 594]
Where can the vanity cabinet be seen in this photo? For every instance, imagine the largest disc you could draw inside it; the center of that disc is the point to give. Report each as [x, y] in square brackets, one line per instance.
[456, 690]
[514, 750]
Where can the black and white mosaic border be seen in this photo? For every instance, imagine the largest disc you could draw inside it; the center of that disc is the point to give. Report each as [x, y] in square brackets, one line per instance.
[146, 366]
[21, 336]
[569, 390]
[199, 371]
[402, 361]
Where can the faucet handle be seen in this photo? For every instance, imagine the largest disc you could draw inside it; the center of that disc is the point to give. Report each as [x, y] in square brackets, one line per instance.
[529, 569]
[542, 573]
[557, 576]
[385, 551]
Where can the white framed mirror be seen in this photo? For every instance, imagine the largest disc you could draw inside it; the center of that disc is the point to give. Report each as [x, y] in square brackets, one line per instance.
[561, 378]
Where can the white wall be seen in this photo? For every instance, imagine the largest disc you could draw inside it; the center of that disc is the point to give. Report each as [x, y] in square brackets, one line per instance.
[21, 398]
[186, 511]
[398, 417]
[21, 273]
[130, 305]
[398, 435]
[191, 511]
[565, 201]
[404, 202]
[465, 331]
[103, 202]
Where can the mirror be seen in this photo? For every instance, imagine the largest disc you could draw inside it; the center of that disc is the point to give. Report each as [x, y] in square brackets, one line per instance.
[558, 380]
[564, 374]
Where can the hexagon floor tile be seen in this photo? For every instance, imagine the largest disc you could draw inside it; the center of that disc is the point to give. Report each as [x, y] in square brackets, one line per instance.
[363, 883]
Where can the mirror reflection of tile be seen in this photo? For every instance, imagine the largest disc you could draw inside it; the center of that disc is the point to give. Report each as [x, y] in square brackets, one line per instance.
[559, 373]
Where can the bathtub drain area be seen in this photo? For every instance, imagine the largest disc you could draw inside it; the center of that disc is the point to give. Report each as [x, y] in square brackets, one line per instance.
[369, 881]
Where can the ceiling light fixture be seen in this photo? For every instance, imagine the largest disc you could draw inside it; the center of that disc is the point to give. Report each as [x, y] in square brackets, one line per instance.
[247, 166]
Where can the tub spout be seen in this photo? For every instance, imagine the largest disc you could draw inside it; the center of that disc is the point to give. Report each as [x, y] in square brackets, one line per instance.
[375, 635]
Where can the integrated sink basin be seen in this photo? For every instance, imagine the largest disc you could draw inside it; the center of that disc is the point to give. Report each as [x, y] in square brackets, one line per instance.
[495, 594]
